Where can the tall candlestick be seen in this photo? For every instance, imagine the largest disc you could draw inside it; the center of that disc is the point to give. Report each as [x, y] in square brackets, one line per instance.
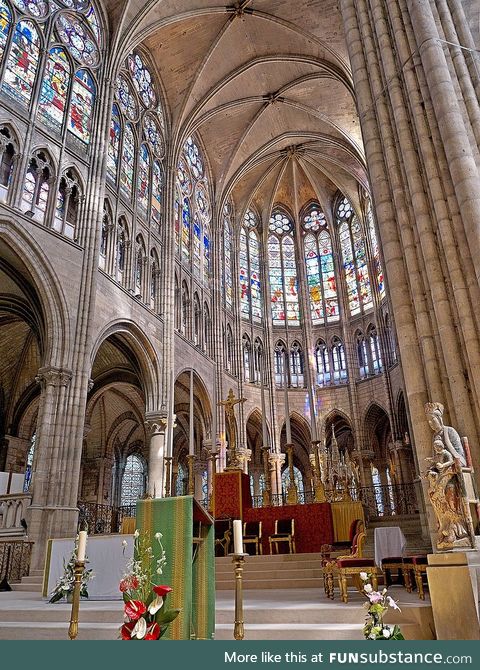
[237, 537]
[287, 407]
[82, 546]
[191, 445]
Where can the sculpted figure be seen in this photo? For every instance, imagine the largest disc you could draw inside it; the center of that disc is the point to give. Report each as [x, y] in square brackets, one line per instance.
[449, 436]
[445, 484]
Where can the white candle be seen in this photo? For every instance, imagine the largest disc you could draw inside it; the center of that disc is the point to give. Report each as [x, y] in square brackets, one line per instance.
[237, 537]
[82, 545]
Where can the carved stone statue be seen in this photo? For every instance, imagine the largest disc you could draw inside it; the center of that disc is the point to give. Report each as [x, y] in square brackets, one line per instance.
[449, 436]
[446, 488]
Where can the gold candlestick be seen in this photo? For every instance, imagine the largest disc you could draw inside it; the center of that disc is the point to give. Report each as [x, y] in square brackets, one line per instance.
[191, 475]
[267, 492]
[168, 469]
[292, 491]
[78, 574]
[238, 628]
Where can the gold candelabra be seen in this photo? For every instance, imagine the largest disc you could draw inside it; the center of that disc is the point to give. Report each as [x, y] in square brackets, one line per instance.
[78, 574]
[292, 491]
[238, 627]
[191, 474]
[168, 470]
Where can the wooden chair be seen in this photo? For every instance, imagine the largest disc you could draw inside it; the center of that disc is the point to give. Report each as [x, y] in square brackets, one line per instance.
[393, 564]
[223, 536]
[353, 567]
[418, 566]
[252, 534]
[284, 532]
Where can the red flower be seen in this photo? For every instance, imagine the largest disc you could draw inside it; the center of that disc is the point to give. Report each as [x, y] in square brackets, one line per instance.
[130, 582]
[126, 630]
[134, 609]
[162, 591]
[153, 632]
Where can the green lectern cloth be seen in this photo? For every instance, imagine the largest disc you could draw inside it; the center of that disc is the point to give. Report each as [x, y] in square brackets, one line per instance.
[190, 568]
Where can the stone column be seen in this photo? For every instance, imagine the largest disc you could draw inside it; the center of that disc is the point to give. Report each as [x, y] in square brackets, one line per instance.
[51, 514]
[156, 425]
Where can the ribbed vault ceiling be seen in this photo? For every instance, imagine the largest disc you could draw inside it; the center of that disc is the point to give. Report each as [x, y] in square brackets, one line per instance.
[264, 83]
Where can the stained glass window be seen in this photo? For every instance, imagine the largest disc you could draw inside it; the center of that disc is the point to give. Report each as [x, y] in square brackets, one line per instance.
[376, 251]
[36, 8]
[142, 79]
[322, 287]
[143, 178]
[352, 245]
[128, 160]
[77, 37]
[157, 184]
[176, 214]
[114, 143]
[133, 481]
[255, 286]
[125, 98]
[81, 106]
[186, 230]
[193, 184]
[283, 270]
[22, 62]
[197, 244]
[206, 251]
[291, 284]
[153, 136]
[244, 283]
[276, 282]
[55, 83]
[227, 252]
[5, 23]
[92, 19]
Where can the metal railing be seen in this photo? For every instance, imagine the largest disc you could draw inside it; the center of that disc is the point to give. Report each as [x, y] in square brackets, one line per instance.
[15, 558]
[388, 499]
[103, 519]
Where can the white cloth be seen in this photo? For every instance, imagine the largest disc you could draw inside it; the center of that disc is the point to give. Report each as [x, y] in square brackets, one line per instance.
[106, 557]
[389, 541]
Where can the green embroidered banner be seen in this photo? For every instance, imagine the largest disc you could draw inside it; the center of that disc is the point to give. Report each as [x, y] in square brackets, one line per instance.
[188, 540]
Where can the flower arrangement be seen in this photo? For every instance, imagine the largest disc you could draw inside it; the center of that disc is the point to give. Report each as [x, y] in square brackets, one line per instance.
[146, 614]
[377, 604]
[65, 585]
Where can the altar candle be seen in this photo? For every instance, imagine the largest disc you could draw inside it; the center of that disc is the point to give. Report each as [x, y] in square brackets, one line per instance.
[82, 545]
[237, 537]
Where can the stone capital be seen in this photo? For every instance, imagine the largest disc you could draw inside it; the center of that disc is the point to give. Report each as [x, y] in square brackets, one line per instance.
[156, 423]
[51, 376]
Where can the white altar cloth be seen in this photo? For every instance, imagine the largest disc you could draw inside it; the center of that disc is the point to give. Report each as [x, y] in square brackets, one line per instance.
[107, 557]
[389, 541]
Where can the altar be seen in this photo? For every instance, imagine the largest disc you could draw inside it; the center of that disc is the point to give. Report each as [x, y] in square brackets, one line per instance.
[107, 558]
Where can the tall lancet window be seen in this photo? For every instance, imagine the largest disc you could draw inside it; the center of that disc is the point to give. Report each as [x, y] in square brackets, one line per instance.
[376, 251]
[283, 270]
[322, 284]
[354, 257]
[250, 288]
[227, 257]
[193, 240]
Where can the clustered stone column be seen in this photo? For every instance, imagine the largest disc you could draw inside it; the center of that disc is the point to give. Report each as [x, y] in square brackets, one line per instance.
[156, 425]
[426, 193]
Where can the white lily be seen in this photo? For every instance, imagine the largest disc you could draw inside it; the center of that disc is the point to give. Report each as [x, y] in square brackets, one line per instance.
[363, 576]
[392, 603]
[136, 533]
[155, 605]
[158, 536]
[140, 629]
[386, 632]
[368, 588]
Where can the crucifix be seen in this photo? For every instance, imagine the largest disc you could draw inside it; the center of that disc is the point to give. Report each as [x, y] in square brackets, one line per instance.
[229, 405]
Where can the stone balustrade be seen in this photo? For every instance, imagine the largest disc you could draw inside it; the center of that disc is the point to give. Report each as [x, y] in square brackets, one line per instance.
[12, 510]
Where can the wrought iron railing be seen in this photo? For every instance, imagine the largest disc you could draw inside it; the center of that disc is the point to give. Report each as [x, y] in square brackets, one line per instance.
[15, 558]
[103, 519]
[388, 499]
